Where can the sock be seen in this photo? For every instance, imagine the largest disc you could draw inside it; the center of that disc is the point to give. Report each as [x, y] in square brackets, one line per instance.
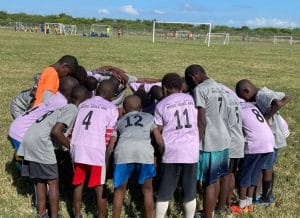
[161, 208]
[266, 190]
[249, 201]
[243, 203]
[189, 208]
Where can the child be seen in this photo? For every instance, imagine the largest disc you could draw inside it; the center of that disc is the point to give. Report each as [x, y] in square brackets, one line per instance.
[133, 153]
[49, 81]
[269, 103]
[236, 151]
[214, 130]
[20, 125]
[259, 143]
[176, 116]
[88, 147]
[37, 148]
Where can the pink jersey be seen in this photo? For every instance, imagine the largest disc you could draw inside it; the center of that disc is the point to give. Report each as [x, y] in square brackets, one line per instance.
[134, 86]
[20, 125]
[178, 117]
[258, 135]
[88, 137]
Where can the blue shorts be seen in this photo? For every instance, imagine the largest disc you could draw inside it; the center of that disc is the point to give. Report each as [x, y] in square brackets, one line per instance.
[212, 166]
[271, 160]
[122, 172]
[251, 166]
[15, 144]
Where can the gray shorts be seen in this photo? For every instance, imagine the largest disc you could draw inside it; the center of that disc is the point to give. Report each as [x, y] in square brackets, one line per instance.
[35, 170]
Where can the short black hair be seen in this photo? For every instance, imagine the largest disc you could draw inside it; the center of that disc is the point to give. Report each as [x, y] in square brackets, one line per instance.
[105, 89]
[70, 61]
[91, 83]
[241, 86]
[193, 69]
[172, 81]
[80, 74]
[79, 92]
[156, 92]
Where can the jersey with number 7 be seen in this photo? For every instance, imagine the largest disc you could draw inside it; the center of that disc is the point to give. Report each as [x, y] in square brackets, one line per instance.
[88, 137]
[177, 115]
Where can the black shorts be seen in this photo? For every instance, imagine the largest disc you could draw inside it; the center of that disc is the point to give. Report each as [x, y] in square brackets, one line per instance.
[171, 175]
[233, 165]
[36, 170]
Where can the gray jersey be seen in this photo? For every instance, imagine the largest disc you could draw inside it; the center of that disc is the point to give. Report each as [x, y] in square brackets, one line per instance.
[134, 144]
[37, 145]
[264, 98]
[20, 103]
[211, 96]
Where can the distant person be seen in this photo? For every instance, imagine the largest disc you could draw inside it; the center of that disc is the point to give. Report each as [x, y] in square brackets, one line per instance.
[37, 148]
[49, 81]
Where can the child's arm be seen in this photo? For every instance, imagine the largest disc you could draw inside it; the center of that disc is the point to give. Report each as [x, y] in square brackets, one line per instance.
[276, 105]
[57, 132]
[159, 139]
[109, 150]
[201, 122]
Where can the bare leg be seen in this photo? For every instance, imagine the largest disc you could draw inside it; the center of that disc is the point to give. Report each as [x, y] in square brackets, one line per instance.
[41, 190]
[118, 200]
[224, 190]
[101, 201]
[148, 198]
[231, 187]
[209, 200]
[53, 197]
[77, 198]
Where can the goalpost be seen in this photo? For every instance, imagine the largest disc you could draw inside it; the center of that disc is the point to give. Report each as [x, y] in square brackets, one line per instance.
[101, 30]
[190, 32]
[281, 38]
[70, 29]
[222, 36]
[54, 28]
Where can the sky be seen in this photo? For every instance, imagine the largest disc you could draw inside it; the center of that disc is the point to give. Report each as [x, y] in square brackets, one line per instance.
[236, 13]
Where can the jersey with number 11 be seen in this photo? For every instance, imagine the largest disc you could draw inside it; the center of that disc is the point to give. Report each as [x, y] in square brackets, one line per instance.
[88, 137]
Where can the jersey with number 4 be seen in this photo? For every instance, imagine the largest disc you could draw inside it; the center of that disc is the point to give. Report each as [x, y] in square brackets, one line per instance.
[211, 96]
[177, 115]
[134, 143]
[258, 135]
[88, 137]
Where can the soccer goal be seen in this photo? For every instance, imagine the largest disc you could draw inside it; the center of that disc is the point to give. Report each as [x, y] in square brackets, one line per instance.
[181, 30]
[54, 28]
[70, 29]
[284, 39]
[19, 26]
[215, 38]
[98, 30]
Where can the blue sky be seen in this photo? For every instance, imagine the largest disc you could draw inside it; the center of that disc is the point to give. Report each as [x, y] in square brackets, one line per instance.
[253, 13]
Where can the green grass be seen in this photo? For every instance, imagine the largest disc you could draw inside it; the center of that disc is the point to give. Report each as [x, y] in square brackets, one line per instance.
[23, 54]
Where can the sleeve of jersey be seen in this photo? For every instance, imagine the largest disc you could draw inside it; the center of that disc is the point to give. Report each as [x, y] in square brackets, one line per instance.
[68, 115]
[199, 98]
[267, 96]
[51, 83]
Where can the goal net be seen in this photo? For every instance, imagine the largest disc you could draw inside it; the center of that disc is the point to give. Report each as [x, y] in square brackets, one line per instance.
[54, 28]
[181, 31]
[218, 38]
[98, 30]
[70, 29]
[282, 39]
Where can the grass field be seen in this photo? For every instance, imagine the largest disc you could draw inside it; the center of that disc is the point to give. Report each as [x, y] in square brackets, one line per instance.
[23, 54]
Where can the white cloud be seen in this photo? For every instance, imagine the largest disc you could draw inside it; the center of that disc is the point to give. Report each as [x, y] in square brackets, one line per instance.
[103, 11]
[274, 22]
[157, 11]
[129, 9]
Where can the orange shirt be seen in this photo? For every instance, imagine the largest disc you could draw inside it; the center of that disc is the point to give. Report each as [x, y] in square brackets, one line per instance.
[48, 81]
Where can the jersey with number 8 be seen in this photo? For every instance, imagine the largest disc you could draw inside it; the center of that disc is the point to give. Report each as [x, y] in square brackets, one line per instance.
[88, 137]
[258, 135]
[178, 117]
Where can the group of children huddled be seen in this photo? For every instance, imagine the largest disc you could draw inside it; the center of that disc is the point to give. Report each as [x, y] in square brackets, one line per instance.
[176, 131]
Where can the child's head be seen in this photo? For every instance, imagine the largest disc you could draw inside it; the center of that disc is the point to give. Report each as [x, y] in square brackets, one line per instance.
[106, 89]
[79, 94]
[91, 83]
[185, 87]
[116, 84]
[156, 93]
[132, 103]
[80, 74]
[141, 93]
[66, 84]
[171, 83]
[66, 65]
[246, 90]
[194, 74]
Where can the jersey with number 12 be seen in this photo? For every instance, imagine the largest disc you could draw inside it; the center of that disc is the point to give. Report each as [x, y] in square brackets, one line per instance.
[88, 137]
[177, 115]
